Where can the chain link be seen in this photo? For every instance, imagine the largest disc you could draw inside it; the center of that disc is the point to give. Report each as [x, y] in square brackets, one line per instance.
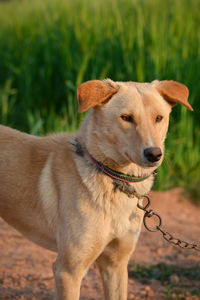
[149, 213]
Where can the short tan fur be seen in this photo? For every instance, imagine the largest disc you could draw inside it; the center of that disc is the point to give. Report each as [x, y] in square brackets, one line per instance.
[52, 192]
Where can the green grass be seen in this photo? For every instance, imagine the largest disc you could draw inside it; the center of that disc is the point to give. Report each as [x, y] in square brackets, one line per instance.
[47, 48]
[163, 272]
[177, 280]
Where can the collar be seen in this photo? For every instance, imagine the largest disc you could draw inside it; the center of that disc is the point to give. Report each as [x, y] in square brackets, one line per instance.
[118, 175]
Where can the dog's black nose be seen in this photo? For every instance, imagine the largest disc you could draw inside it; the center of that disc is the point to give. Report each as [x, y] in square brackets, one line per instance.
[153, 154]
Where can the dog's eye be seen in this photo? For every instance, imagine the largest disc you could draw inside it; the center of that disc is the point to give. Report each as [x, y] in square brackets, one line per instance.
[127, 118]
[159, 118]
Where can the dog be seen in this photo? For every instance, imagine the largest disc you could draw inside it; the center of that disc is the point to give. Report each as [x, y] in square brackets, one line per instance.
[75, 193]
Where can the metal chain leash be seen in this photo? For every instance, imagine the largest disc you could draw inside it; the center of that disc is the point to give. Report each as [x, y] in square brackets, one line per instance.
[149, 213]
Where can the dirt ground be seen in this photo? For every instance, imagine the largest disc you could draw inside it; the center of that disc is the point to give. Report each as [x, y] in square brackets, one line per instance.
[158, 270]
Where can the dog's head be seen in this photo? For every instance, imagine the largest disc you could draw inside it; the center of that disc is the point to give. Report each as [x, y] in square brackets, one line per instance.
[129, 120]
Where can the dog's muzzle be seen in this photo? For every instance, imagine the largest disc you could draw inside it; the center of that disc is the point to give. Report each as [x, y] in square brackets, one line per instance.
[153, 154]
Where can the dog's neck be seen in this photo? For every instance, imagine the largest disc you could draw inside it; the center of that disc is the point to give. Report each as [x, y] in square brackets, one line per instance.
[118, 175]
[130, 188]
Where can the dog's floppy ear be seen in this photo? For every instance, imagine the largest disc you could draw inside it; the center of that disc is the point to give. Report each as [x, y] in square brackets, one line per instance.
[173, 91]
[94, 92]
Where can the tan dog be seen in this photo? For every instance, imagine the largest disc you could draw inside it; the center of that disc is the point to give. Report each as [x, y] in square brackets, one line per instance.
[53, 191]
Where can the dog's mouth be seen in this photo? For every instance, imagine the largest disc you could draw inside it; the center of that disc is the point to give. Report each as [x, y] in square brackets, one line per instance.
[143, 164]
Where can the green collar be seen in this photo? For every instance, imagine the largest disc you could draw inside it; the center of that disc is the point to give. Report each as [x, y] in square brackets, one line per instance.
[118, 175]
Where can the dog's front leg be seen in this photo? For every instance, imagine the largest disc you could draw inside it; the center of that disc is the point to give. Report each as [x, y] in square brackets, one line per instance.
[67, 282]
[114, 278]
[78, 248]
[70, 268]
[112, 264]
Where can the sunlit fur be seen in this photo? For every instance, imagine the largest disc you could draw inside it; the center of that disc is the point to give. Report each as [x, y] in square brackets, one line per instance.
[56, 197]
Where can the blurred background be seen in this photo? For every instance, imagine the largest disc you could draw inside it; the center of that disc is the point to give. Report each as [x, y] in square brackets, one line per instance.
[49, 47]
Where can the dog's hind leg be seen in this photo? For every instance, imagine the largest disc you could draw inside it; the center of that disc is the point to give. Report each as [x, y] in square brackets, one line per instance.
[112, 264]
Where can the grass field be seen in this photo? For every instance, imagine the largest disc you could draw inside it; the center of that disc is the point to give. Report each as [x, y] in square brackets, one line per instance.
[47, 48]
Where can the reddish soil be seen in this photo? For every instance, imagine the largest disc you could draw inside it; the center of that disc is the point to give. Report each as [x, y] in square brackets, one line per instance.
[25, 269]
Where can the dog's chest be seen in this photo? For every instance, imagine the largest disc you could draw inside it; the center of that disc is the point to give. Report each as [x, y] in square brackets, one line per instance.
[125, 216]
[119, 209]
